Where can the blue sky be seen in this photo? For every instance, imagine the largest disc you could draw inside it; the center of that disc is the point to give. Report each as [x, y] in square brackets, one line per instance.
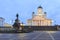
[9, 8]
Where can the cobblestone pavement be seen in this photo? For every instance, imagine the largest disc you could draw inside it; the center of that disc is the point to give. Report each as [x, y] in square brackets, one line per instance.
[36, 35]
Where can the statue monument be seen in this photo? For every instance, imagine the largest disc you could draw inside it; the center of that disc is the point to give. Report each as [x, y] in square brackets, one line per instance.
[16, 24]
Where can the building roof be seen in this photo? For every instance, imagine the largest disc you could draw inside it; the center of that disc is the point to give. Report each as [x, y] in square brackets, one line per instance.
[7, 25]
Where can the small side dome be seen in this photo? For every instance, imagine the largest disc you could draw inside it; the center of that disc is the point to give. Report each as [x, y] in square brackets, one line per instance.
[40, 7]
[45, 12]
[33, 12]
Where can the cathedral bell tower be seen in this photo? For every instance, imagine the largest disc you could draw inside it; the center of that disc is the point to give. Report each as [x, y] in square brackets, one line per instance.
[40, 11]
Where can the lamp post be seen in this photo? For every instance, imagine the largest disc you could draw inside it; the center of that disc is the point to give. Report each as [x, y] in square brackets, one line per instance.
[55, 22]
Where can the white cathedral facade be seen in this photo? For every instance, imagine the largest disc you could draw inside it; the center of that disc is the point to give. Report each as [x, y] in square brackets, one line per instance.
[39, 19]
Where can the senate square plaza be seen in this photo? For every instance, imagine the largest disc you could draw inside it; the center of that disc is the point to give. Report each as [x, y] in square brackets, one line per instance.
[39, 27]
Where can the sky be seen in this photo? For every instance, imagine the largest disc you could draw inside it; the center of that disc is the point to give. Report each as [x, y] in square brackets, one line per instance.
[9, 9]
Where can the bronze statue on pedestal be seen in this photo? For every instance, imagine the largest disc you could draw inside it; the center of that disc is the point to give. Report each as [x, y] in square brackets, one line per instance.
[16, 24]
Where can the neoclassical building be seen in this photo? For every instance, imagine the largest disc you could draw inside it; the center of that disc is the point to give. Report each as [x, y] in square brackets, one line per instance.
[1, 21]
[39, 19]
